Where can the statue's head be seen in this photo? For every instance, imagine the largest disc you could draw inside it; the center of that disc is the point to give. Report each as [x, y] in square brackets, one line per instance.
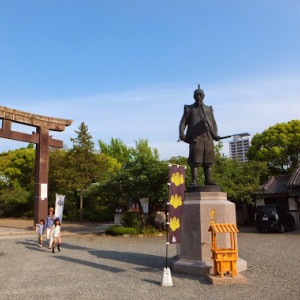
[199, 95]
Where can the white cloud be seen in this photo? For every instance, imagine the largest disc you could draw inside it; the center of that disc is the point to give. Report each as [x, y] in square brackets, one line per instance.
[154, 112]
[255, 106]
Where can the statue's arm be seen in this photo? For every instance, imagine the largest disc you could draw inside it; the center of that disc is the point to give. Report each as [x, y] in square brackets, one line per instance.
[183, 123]
[214, 123]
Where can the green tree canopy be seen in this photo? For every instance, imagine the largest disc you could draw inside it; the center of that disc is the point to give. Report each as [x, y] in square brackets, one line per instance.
[72, 172]
[279, 146]
[17, 180]
[83, 142]
[116, 149]
[82, 160]
[143, 176]
[17, 167]
[239, 180]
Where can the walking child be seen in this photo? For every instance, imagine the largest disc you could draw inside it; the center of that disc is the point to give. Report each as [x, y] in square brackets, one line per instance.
[40, 231]
[55, 232]
[49, 225]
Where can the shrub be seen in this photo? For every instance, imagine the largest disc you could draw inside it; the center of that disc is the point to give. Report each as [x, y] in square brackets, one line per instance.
[105, 214]
[149, 230]
[71, 216]
[14, 201]
[132, 220]
[98, 215]
[29, 214]
[119, 230]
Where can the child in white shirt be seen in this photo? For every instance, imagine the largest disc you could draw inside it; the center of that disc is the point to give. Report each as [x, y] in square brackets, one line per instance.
[55, 233]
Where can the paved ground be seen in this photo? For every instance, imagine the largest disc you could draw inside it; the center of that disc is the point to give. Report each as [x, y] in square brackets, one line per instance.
[18, 226]
[93, 266]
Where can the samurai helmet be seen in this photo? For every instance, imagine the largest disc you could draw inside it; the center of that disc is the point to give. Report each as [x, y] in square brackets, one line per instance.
[199, 91]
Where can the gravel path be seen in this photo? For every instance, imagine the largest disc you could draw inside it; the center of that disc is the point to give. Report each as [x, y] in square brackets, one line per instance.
[100, 267]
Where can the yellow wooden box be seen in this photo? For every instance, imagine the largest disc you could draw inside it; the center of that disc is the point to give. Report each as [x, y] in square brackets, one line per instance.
[224, 259]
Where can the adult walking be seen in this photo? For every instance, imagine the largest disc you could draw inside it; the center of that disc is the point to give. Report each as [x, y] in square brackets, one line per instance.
[48, 225]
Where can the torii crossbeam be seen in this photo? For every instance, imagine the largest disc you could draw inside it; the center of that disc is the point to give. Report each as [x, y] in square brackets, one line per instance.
[42, 140]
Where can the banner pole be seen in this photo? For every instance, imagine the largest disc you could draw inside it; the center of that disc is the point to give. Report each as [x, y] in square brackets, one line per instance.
[166, 279]
[167, 235]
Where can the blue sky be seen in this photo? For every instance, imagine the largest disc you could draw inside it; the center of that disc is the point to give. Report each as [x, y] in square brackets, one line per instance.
[127, 68]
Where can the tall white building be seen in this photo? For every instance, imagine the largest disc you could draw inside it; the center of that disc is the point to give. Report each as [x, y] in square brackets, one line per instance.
[239, 146]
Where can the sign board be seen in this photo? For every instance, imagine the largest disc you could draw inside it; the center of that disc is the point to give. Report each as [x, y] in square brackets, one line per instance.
[145, 205]
[44, 191]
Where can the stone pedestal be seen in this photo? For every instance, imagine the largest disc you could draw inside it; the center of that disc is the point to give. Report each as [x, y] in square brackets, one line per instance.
[195, 249]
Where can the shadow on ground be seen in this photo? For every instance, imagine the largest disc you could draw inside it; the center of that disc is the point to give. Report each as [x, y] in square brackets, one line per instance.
[89, 264]
[145, 263]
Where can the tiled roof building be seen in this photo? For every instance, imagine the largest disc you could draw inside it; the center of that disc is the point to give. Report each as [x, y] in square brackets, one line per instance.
[283, 191]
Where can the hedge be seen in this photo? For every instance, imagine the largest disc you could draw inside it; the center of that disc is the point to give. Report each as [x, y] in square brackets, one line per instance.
[119, 230]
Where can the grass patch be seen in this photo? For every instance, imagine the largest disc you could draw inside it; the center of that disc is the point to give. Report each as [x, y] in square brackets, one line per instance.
[119, 230]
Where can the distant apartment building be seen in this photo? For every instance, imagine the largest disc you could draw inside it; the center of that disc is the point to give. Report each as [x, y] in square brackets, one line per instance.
[239, 146]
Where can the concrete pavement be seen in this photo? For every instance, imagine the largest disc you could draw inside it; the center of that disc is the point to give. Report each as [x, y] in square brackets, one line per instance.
[95, 266]
[19, 227]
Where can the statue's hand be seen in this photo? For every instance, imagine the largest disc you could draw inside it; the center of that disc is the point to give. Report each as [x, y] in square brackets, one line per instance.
[182, 137]
[217, 138]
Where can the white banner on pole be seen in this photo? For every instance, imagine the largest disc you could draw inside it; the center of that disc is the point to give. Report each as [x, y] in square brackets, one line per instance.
[59, 206]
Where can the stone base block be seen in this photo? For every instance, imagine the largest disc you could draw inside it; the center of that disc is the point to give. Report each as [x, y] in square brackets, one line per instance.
[195, 256]
[241, 265]
[200, 268]
[239, 279]
[191, 267]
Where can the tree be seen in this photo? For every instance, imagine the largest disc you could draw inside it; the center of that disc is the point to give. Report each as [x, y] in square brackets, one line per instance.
[279, 146]
[148, 176]
[17, 167]
[239, 180]
[143, 177]
[83, 142]
[17, 180]
[116, 149]
[73, 171]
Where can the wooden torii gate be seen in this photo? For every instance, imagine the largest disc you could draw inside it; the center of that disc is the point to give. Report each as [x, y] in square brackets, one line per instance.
[42, 140]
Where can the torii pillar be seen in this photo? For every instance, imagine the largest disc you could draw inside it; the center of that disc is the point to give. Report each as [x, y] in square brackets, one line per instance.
[42, 140]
